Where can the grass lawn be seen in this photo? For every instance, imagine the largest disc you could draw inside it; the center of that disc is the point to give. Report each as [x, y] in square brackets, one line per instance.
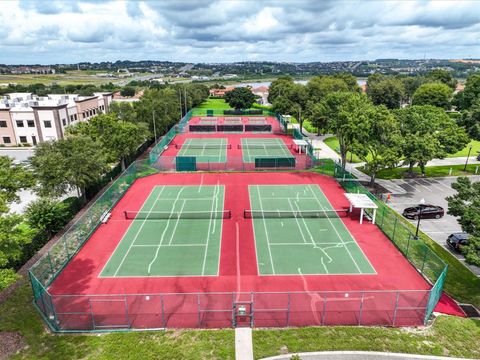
[332, 143]
[464, 152]
[430, 171]
[17, 314]
[214, 104]
[449, 336]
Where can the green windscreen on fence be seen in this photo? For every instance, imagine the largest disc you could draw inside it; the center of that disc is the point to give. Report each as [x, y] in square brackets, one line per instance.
[274, 162]
[186, 163]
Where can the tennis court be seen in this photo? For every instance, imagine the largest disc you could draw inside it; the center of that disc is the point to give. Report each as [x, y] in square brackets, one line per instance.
[297, 232]
[177, 232]
[254, 148]
[205, 149]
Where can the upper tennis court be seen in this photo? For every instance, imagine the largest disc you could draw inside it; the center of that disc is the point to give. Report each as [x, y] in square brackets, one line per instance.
[261, 148]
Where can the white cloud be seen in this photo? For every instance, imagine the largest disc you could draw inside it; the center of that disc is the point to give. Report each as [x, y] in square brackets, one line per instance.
[228, 30]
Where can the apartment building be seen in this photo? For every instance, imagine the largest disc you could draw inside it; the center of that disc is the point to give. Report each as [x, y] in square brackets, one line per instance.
[26, 118]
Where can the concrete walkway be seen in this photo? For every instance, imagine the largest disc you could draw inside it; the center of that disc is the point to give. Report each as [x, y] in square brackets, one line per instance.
[358, 355]
[243, 344]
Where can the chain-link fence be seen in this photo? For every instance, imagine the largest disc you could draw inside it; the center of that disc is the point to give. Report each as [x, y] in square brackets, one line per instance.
[422, 257]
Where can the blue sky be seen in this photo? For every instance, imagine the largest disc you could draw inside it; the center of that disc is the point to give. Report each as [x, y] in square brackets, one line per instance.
[47, 32]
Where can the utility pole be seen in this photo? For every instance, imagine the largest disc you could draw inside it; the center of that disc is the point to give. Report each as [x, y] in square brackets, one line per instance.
[154, 127]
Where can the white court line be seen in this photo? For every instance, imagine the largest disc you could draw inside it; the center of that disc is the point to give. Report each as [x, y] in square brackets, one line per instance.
[138, 232]
[299, 228]
[313, 241]
[266, 231]
[165, 230]
[336, 231]
[173, 245]
[213, 208]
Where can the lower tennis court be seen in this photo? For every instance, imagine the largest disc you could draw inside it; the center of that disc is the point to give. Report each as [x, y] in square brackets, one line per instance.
[177, 232]
[205, 149]
[297, 232]
[263, 148]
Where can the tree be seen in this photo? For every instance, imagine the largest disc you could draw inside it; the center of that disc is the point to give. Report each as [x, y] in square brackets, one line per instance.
[465, 205]
[240, 98]
[46, 214]
[442, 76]
[466, 98]
[389, 92]
[429, 133]
[435, 94]
[345, 114]
[128, 91]
[13, 237]
[119, 139]
[76, 161]
[378, 141]
[319, 86]
[279, 88]
[471, 120]
[13, 177]
[293, 102]
[411, 84]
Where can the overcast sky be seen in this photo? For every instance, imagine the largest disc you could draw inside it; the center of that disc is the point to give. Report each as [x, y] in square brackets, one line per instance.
[225, 31]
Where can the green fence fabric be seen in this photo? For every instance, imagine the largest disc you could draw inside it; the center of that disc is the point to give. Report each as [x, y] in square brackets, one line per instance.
[186, 163]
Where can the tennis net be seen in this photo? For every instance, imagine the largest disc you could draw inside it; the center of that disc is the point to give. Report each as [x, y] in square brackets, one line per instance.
[271, 214]
[266, 146]
[167, 215]
[203, 146]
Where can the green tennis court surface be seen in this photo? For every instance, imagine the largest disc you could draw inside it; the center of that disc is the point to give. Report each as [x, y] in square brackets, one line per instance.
[297, 244]
[205, 150]
[264, 148]
[177, 232]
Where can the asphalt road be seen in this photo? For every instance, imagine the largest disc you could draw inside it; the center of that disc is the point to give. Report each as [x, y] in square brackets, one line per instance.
[434, 191]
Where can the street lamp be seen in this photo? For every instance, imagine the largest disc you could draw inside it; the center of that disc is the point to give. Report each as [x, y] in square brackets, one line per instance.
[422, 202]
[466, 162]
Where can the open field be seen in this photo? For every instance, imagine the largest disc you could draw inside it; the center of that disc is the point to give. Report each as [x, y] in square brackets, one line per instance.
[71, 77]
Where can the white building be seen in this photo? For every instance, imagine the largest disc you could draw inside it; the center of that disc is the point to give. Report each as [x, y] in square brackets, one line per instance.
[27, 119]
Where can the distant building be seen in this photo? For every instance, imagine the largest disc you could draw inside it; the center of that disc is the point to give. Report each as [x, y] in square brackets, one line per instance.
[262, 92]
[26, 118]
[220, 92]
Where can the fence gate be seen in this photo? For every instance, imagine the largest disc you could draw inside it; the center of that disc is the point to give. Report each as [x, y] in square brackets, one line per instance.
[186, 163]
[243, 314]
[109, 313]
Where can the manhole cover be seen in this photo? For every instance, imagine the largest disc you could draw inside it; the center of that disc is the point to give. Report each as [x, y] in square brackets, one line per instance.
[470, 310]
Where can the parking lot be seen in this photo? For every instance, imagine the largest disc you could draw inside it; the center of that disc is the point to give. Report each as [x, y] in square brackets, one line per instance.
[434, 191]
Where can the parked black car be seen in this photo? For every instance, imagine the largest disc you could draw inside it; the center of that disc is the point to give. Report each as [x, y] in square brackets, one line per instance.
[426, 211]
[457, 240]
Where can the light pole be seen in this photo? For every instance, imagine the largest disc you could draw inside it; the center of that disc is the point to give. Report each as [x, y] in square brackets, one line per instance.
[466, 162]
[154, 127]
[422, 202]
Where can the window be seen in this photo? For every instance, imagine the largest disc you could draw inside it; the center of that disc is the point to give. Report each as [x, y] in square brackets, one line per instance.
[64, 122]
[3, 123]
[6, 140]
[30, 123]
[19, 123]
[71, 118]
[75, 117]
[23, 139]
[47, 123]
